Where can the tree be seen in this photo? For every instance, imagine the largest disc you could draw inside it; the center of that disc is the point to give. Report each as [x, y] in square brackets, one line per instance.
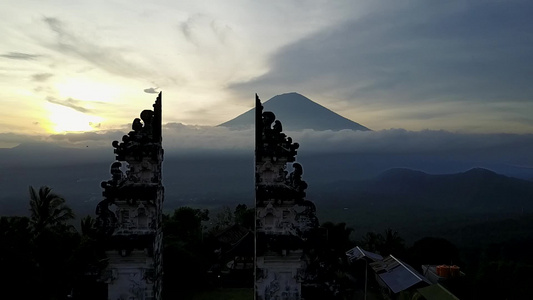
[88, 260]
[184, 253]
[54, 241]
[185, 224]
[244, 216]
[433, 251]
[17, 258]
[338, 236]
[88, 227]
[48, 210]
[390, 242]
[327, 261]
[371, 241]
[223, 219]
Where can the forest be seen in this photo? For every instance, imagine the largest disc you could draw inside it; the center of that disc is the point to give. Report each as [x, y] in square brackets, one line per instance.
[53, 254]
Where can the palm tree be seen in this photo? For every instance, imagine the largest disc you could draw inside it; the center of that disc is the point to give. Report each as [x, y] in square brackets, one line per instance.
[48, 210]
[372, 241]
[88, 227]
[392, 243]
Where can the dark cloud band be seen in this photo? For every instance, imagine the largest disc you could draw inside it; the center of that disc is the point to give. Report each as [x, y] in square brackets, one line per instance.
[20, 56]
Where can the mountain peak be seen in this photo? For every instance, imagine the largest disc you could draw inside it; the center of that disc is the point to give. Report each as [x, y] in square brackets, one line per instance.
[479, 172]
[291, 97]
[297, 112]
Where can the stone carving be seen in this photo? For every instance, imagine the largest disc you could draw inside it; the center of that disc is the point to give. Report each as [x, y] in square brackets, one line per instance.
[284, 218]
[135, 192]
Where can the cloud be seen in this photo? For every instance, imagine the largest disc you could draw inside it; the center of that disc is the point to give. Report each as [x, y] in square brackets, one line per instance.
[509, 148]
[151, 90]
[102, 138]
[17, 138]
[425, 142]
[70, 103]
[177, 137]
[439, 50]
[430, 150]
[110, 59]
[41, 77]
[198, 28]
[404, 54]
[20, 56]
[180, 137]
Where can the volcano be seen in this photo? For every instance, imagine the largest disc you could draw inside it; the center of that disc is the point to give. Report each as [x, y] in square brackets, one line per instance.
[297, 112]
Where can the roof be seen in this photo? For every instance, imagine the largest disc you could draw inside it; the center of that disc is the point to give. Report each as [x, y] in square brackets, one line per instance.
[436, 292]
[232, 235]
[236, 240]
[397, 275]
[358, 253]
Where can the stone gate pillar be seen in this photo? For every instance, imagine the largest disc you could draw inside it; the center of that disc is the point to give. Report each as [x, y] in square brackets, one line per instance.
[131, 212]
[283, 217]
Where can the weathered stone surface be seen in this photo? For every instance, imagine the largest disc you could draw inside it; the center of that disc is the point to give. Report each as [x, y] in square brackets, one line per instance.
[131, 212]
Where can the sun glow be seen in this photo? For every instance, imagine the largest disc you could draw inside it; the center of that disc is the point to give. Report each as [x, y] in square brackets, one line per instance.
[64, 119]
[76, 100]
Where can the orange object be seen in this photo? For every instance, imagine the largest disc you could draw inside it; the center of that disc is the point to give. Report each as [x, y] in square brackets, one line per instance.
[439, 270]
[455, 271]
[443, 271]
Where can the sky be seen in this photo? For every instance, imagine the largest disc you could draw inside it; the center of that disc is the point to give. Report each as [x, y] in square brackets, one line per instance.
[80, 70]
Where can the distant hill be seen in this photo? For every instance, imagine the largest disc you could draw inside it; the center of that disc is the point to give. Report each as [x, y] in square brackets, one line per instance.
[297, 112]
[49, 154]
[475, 189]
[420, 204]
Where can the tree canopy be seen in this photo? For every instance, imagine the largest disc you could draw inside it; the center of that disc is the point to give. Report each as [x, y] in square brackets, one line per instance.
[47, 209]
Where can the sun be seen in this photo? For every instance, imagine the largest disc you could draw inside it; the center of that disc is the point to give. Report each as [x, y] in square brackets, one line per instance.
[64, 119]
[86, 91]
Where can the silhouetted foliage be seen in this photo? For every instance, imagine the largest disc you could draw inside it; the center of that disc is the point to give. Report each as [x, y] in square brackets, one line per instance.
[54, 241]
[51, 257]
[185, 223]
[328, 265]
[89, 259]
[244, 216]
[184, 255]
[390, 242]
[433, 251]
[504, 271]
[223, 219]
[48, 210]
[17, 259]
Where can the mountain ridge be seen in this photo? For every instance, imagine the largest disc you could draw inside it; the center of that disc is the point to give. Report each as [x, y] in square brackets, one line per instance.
[477, 188]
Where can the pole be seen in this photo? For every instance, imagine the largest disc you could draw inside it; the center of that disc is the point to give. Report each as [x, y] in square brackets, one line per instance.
[366, 275]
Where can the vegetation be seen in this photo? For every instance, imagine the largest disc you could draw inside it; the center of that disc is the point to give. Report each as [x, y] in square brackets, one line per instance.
[184, 254]
[48, 211]
[39, 249]
[390, 242]
[44, 257]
